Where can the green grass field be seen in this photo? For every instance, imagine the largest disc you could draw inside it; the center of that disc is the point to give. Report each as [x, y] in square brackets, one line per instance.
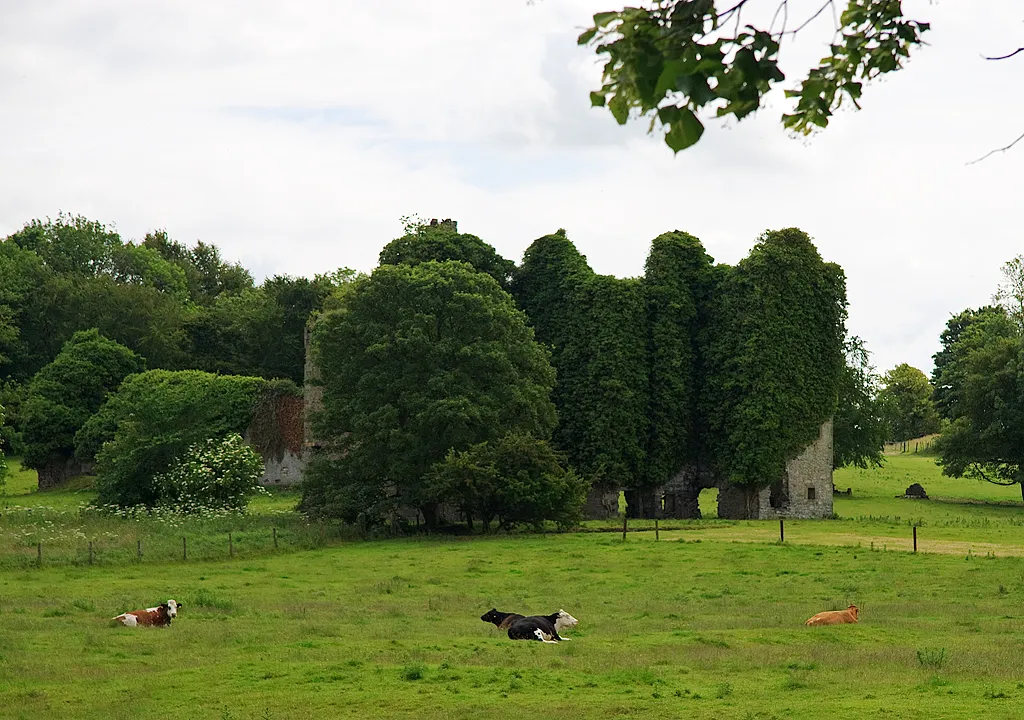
[705, 623]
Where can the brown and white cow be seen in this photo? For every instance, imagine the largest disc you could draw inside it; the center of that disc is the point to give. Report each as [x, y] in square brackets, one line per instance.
[835, 617]
[158, 616]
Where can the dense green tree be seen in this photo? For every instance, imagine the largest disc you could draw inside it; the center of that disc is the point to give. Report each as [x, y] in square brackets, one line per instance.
[207, 274]
[1010, 294]
[676, 283]
[12, 395]
[907, 406]
[419, 360]
[859, 430]
[258, 331]
[516, 479]
[986, 438]
[423, 242]
[773, 357]
[144, 428]
[3, 459]
[950, 371]
[65, 394]
[70, 244]
[676, 61]
[50, 287]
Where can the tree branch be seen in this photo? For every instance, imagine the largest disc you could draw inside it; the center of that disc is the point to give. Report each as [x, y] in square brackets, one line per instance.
[998, 150]
[1005, 57]
[809, 20]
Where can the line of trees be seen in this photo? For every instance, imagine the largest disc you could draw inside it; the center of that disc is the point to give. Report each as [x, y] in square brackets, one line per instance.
[453, 379]
[81, 310]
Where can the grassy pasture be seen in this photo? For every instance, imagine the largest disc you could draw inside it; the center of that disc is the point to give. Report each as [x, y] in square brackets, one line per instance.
[705, 623]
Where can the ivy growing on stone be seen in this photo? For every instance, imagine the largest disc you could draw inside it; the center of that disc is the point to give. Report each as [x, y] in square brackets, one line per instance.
[676, 283]
[774, 356]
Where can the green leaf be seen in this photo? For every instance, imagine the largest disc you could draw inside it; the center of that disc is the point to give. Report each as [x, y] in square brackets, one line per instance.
[597, 99]
[619, 108]
[684, 131]
[586, 36]
[603, 18]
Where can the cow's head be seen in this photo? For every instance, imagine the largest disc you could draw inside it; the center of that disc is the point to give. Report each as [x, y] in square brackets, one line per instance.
[172, 608]
[853, 611]
[564, 620]
[493, 616]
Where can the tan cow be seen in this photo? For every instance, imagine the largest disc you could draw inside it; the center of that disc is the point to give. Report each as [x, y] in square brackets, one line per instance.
[835, 617]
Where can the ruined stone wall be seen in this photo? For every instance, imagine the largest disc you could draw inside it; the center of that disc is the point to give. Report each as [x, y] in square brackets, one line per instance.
[812, 470]
[277, 432]
[805, 491]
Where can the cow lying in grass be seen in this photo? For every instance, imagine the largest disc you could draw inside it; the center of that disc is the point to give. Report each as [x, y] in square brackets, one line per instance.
[835, 617]
[535, 627]
[158, 616]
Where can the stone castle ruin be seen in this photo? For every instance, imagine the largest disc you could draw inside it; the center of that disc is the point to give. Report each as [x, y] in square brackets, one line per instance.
[804, 490]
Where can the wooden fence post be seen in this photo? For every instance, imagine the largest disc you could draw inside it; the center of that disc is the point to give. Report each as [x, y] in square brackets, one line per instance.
[656, 535]
[231, 546]
[275, 536]
[782, 531]
[138, 548]
[625, 519]
[915, 538]
[184, 548]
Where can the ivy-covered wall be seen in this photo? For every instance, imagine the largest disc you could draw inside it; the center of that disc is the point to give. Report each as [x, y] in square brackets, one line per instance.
[695, 375]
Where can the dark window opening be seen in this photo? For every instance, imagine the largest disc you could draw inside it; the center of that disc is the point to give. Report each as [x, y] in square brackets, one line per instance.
[810, 493]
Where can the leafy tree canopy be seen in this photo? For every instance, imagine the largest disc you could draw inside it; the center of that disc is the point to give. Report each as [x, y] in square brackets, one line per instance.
[962, 334]
[258, 331]
[65, 394]
[680, 61]
[907, 406]
[985, 381]
[207, 274]
[859, 430]
[3, 460]
[419, 360]
[516, 479]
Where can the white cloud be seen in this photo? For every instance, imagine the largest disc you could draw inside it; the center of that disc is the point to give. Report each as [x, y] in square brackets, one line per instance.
[294, 135]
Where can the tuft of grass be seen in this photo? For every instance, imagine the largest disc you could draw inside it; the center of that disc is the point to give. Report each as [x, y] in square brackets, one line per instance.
[931, 658]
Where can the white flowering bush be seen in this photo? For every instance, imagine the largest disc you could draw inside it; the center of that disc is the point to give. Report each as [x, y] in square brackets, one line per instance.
[219, 474]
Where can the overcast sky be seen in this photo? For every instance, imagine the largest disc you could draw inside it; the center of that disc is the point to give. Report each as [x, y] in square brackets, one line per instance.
[294, 135]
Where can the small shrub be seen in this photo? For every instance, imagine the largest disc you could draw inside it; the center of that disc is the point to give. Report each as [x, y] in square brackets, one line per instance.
[413, 672]
[220, 474]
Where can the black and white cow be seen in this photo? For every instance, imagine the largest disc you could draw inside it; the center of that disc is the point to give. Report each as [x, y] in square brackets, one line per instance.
[535, 627]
